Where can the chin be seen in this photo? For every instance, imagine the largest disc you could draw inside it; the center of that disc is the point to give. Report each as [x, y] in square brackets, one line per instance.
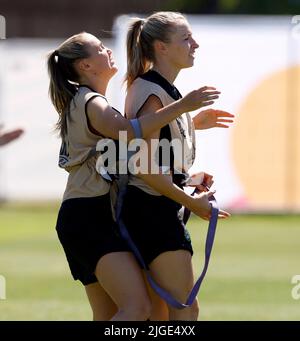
[188, 65]
[114, 70]
[191, 61]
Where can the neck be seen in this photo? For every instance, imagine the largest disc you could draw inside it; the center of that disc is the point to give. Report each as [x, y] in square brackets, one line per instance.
[99, 85]
[168, 71]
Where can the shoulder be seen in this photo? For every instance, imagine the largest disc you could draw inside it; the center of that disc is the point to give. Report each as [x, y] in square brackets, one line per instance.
[95, 104]
[86, 94]
[140, 91]
[141, 85]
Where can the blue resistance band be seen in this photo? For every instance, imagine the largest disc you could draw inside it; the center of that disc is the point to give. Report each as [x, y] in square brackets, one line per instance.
[124, 233]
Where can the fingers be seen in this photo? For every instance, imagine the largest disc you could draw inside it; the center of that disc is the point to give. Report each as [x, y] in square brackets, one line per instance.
[208, 94]
[223, 120]
[223, 214]
[206, 103]
[223, 113]
[219, 125]
[210, 97]
[203, 88]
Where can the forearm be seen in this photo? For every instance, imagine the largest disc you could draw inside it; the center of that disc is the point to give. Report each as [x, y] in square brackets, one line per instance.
[109, 123]
[164, 185]
[155, 121]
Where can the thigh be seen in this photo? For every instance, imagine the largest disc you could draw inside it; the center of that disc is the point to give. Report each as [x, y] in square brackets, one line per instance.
[154, 224]
[159, 308]
[173, 271]
[122, 278]
[103, 306]
[87, 232]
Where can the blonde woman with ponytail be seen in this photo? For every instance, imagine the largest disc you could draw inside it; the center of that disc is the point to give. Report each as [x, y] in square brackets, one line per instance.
[80, 70]
[158, 48]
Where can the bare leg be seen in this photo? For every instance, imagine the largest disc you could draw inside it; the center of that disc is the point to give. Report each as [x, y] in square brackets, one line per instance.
[160, 310]
[102, 305]
[174, 272]
[121, 277]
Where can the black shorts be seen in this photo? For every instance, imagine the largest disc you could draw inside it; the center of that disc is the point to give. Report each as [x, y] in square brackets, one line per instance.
[87, 232]
[154, 223]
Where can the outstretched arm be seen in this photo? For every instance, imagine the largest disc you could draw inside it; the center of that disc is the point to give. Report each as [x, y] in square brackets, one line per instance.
[108, 123]
[198, 204]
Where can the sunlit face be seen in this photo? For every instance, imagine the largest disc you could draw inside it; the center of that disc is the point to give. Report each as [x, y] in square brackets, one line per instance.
[182, 46]
[100, 60]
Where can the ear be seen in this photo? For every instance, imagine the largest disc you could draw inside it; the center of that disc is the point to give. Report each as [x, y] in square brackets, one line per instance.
[160, 47]
[83, 65]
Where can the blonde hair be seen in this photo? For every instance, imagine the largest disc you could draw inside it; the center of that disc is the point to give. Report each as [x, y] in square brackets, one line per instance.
[64, 77]
[140, 38]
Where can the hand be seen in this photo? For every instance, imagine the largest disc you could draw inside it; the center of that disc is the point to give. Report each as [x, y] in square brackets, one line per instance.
[202, 207]
[7, 137]
[199, 98]
[212, 118]
[202, 181]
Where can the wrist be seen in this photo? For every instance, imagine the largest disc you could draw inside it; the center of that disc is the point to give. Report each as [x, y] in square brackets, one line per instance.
[180, 106]
[187, 201]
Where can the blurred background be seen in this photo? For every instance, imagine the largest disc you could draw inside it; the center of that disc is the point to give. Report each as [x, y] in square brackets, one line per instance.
[250, 51]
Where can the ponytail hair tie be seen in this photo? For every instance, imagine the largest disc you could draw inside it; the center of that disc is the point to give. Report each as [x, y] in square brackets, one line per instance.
[55, 54]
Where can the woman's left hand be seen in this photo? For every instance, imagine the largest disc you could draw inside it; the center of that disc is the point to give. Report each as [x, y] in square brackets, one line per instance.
[212, 118]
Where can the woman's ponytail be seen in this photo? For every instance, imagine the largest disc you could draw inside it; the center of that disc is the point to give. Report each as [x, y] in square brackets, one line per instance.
[63, 76]
[142, 33]
[136, 60]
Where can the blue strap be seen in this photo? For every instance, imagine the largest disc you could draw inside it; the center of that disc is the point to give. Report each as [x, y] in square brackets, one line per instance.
[208, 248]
[123, 181]
[136, 125]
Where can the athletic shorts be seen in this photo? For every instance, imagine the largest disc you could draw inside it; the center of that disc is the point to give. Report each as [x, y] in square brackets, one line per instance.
[87, 232]
[154, 224]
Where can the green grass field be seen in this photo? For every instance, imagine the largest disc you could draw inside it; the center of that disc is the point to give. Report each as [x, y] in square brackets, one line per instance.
[249, 278]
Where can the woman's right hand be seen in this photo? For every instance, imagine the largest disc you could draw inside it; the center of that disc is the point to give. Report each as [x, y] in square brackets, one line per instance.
[199, 98]
[201, 206]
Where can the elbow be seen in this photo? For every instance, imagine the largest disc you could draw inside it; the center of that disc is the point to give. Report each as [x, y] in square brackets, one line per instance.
[125, 132]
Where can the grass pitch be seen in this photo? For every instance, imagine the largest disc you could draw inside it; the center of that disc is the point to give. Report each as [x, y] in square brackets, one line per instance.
[249, 278]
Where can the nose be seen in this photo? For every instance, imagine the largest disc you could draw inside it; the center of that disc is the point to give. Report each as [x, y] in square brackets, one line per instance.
[195, 45]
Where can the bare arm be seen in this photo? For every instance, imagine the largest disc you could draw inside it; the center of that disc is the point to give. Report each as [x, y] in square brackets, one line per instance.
[108, 123]
[163, 183]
